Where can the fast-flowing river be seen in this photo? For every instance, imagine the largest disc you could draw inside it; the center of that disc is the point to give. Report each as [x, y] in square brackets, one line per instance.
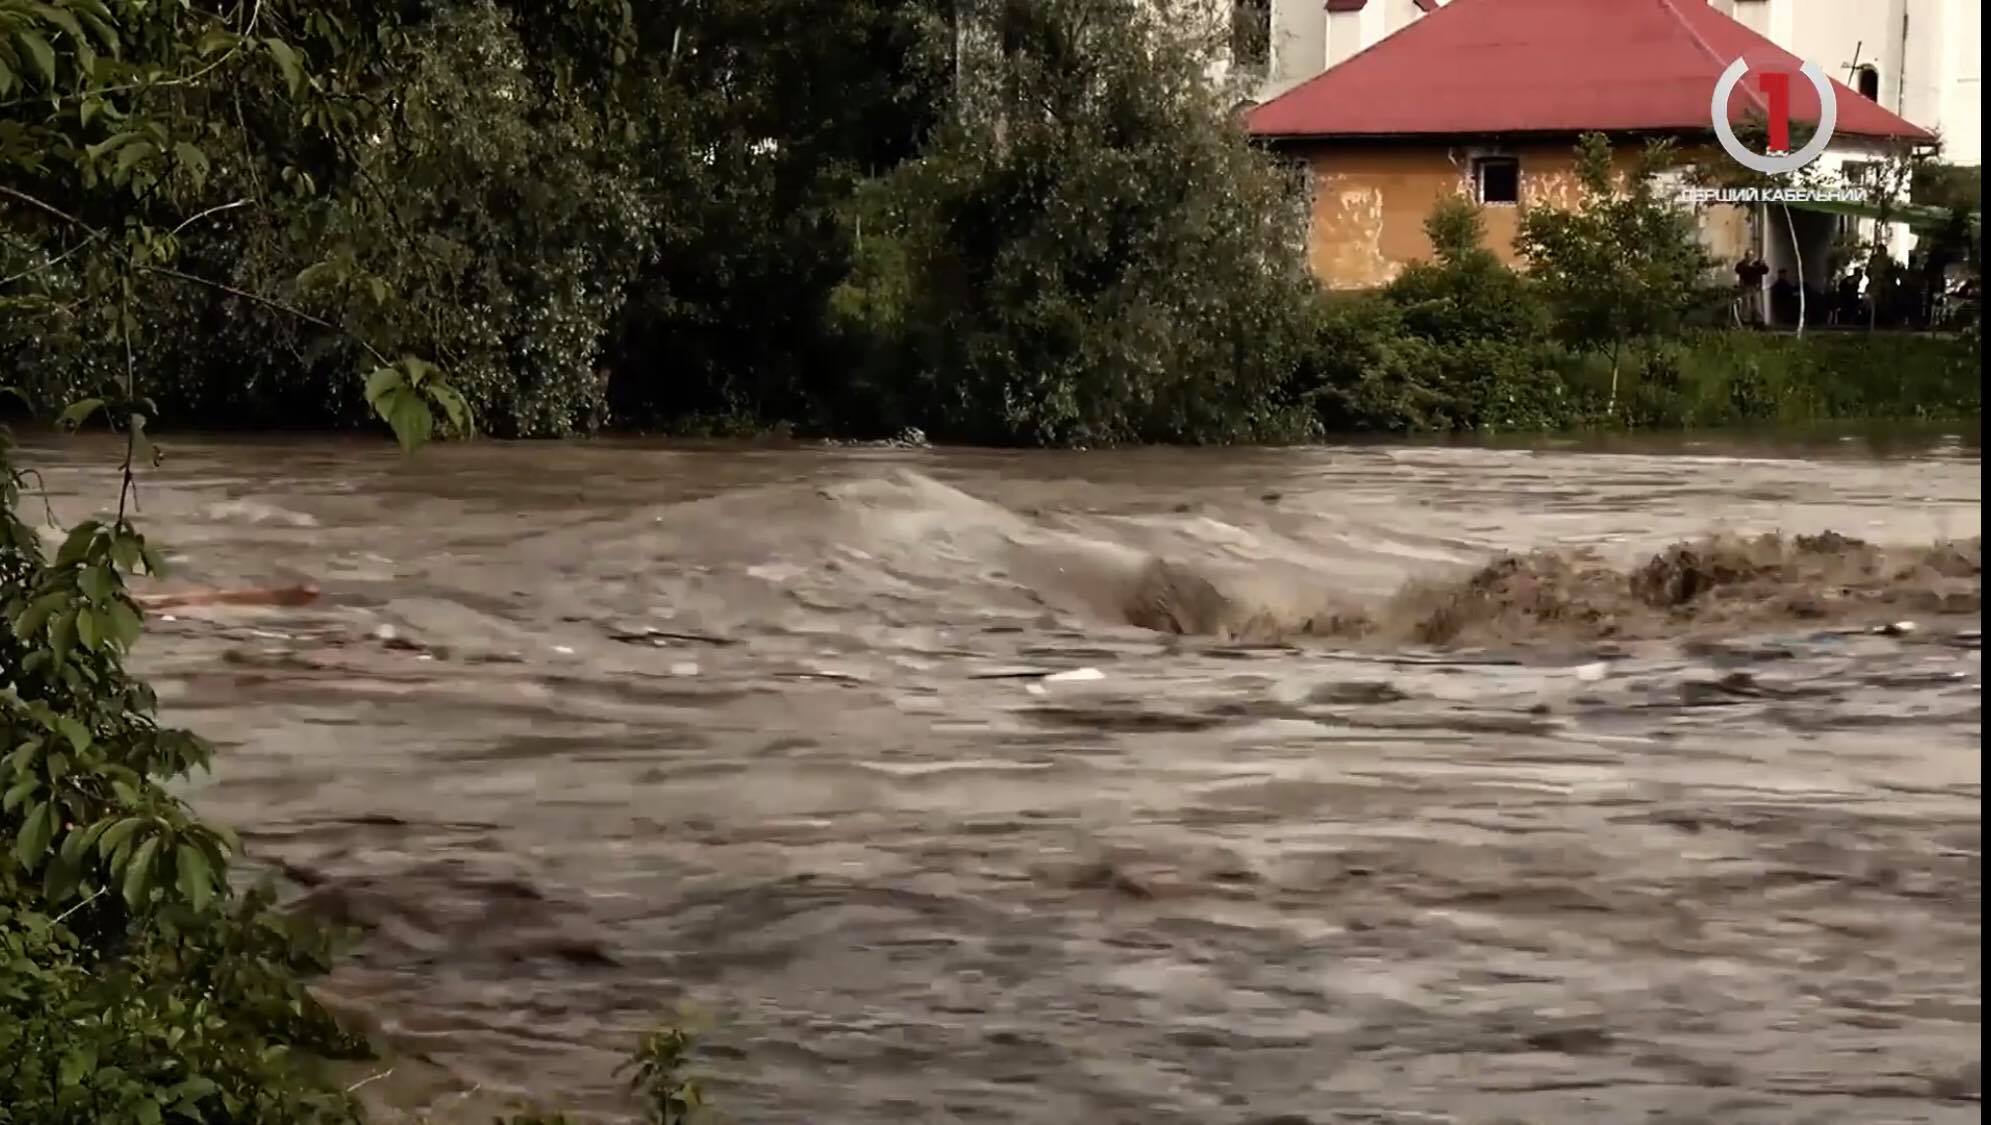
[862, 759]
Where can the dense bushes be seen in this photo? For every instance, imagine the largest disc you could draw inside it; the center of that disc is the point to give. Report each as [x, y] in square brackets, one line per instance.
[1369, 373]
[1607, 325]
[1120, 268]
[997, 222]
[135, 983]
[1742, 378]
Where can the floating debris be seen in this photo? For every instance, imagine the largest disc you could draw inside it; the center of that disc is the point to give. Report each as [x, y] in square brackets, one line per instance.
[1075, 676]
[661, 637]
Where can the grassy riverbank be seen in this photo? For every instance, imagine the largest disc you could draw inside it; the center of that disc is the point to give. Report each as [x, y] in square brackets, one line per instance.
[1740, 378]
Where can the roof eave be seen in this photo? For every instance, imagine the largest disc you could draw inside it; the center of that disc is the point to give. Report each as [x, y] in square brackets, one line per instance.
[1701, 132]
[1487, 134]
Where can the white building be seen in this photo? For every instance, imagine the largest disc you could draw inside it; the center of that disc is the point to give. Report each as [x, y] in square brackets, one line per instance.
[1920, 59]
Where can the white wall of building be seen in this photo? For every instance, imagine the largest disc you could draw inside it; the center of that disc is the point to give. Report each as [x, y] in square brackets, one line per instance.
[1960, 110]
[1307, 38]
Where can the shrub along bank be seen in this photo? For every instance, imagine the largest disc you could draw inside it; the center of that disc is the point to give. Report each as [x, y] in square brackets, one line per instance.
[1612, 323]
[1000, 223]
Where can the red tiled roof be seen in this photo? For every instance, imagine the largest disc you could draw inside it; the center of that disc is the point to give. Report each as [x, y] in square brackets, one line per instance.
[1478, 67]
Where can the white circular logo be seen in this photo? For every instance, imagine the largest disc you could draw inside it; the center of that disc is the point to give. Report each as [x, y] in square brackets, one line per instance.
[1770, 165]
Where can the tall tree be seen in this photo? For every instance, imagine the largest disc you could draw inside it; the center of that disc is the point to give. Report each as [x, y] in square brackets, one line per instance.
[1093, 251]
[1626, 266]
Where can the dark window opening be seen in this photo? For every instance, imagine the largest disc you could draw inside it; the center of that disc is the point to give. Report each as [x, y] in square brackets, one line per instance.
[1867, 80]
[1251, 33]
[1497, 179]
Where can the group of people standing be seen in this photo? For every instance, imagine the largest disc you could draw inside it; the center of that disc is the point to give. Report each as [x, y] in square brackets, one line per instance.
[1902, 301]
[1776, 305]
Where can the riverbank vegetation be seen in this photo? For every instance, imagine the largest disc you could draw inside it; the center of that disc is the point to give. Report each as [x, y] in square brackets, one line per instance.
[997, 223]
[149, 153]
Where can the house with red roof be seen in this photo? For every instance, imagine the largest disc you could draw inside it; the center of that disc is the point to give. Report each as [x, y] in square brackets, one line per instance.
[1488, 97]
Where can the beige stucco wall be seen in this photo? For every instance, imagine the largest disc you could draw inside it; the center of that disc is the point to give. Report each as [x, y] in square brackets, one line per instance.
[1370, 203]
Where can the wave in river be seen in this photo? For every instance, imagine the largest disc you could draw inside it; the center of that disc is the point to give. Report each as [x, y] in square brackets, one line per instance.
[922, 549]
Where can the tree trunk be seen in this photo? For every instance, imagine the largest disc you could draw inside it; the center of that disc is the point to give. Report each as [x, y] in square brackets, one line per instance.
[1611, 407]
[1797, 255]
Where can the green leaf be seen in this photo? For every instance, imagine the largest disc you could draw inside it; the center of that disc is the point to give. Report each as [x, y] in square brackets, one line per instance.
[33, 618]
[190, 1092]
[124, 624]
[134, 152]
[60, 880]
[62, 636]
[87, 630]
[78, 413]
[40, 53]
[379, 384]
[138, 874]
[77, 1063]
[317, 273]
[20, 792]
[74, 846]
[286, 59]
[63, 20]
[77, 544]
[90, 836]
[196, 880]
[410, 417]
[77, 734]
[97, 582]
[125, 552]
[35, 834]
[103, 148]
[418, 370]
[217, 40]
[192, 158]
[115, 836]
[453, 406]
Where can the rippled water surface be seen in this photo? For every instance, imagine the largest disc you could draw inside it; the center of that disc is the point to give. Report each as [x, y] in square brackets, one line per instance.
[854, 753]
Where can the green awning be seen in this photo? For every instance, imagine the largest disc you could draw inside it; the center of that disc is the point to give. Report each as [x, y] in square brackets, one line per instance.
[1916, 216]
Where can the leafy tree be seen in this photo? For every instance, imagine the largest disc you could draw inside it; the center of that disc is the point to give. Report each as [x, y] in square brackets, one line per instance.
[1486, 359]
[759, 119]
[1092, 252]
[1624, 268]
[1466, 292]
[136, 983]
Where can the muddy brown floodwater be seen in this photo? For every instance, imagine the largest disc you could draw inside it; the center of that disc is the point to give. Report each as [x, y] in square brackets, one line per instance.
[855, 755]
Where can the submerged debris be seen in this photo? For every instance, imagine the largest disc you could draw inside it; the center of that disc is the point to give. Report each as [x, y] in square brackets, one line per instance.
[1716, 581]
